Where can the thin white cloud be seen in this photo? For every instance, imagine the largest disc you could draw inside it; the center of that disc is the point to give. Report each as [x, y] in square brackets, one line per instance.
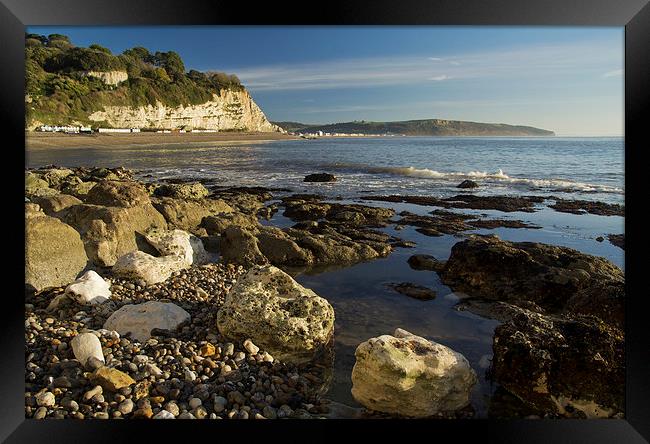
[436, 59]
[539, 63]
[615, 73]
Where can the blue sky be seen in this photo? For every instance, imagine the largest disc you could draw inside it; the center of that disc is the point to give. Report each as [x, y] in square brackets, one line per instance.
[566, 79]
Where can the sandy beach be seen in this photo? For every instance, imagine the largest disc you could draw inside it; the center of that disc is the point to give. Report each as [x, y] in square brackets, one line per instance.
[35, 140]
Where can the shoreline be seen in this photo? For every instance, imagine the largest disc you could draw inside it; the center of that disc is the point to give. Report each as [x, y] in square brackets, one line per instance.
[384, 262]
[36, 140]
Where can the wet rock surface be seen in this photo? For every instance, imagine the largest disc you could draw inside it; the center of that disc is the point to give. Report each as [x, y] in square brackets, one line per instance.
[567, 366]
[587, 207]
[425, 262]
[618, 240]
[320, 177]
[467, 183]
[413, 291]
[445, 222]
[559, 279]
[469, 201]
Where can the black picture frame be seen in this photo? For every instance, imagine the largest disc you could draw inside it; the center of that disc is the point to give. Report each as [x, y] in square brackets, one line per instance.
[634, 15]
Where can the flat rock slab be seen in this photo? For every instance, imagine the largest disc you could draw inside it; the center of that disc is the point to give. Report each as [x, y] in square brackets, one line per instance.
[558, 279]
[414, 291]
[141, 319]
[111, 379]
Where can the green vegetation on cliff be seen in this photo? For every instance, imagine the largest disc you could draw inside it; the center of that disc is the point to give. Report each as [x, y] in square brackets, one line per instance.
[428, 127]
[59, 91]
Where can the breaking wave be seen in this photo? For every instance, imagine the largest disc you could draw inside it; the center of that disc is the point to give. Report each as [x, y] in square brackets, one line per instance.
[550, 184]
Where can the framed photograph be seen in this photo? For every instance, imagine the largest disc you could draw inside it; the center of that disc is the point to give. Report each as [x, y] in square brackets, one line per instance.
[374, 215]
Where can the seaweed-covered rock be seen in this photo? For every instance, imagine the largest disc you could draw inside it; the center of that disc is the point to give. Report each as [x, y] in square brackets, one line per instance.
[54, 251]
[279, 315]
[79, 189]
[52, 205]
[408, 375]
[111, 232]
[118, 193]
[335, 248]
[280, 249]
[217, 224]
[559, 279]
[467, 184]
[188, 214]
[34, 182]
[558, 364]
[194, 190]
[239, 246]
[425, 262]
[320, 177]
[413, 291]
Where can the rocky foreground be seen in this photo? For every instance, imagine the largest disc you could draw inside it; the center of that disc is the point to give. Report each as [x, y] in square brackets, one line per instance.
[129, 314]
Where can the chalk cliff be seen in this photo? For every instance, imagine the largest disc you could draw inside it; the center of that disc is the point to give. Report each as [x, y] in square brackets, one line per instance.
[228, 110]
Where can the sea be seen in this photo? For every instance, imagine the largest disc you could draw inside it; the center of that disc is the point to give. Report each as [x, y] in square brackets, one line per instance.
[365, 306]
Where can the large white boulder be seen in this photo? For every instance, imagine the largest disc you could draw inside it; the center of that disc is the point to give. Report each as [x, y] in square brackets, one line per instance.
[85, 346]
[408, 375]
[179, 243]
[140, 319]
[279, 315]
[140, 265]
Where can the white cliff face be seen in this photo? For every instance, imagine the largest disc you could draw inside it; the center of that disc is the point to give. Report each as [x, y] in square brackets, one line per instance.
[228, 110]
[109, 77]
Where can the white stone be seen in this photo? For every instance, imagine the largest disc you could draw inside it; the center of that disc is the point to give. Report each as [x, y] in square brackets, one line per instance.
[140, 359]
[250, 347]
[153, 369]
[46, 399]
[179, 243]
[140, 319]
[90, 288]
[86, 345]
[140, 265]
[408, 375]
[272, 310]
[163, 414]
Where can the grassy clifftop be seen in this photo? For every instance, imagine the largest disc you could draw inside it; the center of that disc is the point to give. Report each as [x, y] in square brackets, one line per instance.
[59, 89]
[428, 127]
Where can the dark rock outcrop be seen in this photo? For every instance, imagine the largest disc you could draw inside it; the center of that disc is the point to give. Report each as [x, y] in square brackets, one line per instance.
[118, 193]
[414, 291]
[320, 177]
[617, 239]
[559, 279]
[587, 206]
[561, 364]
[425, 262]
[467, 184]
